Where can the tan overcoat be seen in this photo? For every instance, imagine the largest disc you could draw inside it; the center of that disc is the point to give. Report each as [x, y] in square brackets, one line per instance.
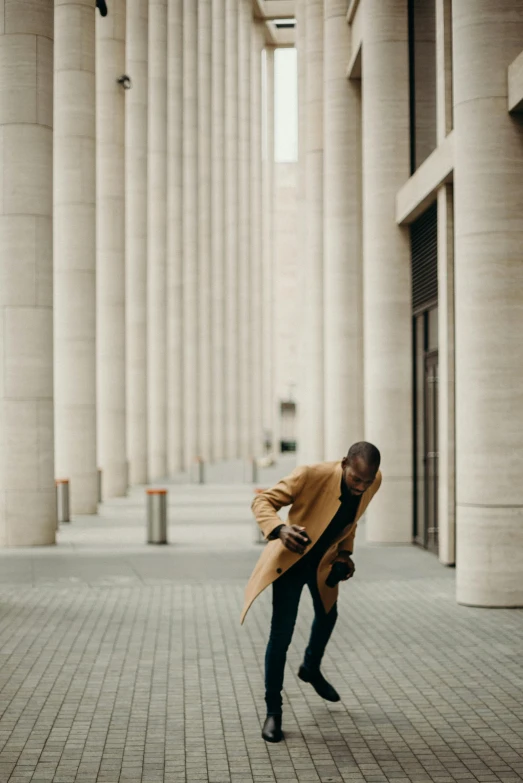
[313, 491]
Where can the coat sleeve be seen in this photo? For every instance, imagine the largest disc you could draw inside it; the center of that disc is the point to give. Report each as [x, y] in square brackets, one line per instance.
[266, 505]
[347, 545]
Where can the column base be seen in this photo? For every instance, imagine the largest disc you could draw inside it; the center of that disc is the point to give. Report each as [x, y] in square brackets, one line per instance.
[28, 518]
[489, 556]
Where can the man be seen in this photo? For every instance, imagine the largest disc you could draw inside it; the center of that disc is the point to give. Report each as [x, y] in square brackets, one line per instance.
[326, 501]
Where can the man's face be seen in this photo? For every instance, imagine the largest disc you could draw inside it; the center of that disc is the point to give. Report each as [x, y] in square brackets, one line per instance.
[358, 476]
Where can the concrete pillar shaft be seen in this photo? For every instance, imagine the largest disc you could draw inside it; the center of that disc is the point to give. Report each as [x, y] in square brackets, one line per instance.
[157, 242]
[301, 46]
[267, 319]
[386, 267]
[110, 236]
[175, 321]
[204, 223]
[245, 305]
[446, 374]
[488, 203]
[231, 231]
[74, 260]
[27, 491]
[311, 414]
[256, 295]
[190, 232]
[343, 351]
[218, 229]
[136, 56]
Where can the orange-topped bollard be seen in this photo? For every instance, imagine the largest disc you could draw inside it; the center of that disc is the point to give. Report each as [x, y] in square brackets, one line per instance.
[156, 516]
[62, 501]
[200, 470]
[251, 470]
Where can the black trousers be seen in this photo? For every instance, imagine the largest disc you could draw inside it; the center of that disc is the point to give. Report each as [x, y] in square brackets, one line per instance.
[286, 593]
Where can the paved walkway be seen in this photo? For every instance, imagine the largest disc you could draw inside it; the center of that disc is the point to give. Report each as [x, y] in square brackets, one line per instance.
[122, 663]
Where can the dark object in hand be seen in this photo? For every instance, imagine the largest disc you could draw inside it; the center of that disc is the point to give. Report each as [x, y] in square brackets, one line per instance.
[338, 572]
[294, 538]
[102, 7]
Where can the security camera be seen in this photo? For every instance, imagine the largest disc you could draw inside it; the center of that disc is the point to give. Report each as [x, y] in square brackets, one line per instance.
[102, 7]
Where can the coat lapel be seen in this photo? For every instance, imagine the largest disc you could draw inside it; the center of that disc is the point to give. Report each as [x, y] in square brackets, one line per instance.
[331, 496]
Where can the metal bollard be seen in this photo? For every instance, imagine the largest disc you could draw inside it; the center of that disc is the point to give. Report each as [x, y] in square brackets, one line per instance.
[156, 516]
[259, 538]
[200, 470]
[99, 485]
[62, 500]
[251, 470]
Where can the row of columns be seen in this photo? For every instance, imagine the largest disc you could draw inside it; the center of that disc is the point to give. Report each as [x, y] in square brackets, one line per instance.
[331, 392]
[356, 260]
[158, 263]
[358, 295]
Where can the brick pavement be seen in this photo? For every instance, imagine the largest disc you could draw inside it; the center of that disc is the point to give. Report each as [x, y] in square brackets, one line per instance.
[142, 674]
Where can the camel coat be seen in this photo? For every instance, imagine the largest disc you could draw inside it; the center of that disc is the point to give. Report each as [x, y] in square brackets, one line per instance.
[314, 492]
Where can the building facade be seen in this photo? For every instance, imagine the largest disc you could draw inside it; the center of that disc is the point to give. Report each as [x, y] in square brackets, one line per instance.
[136, 245]
[412, 334]
[164, 281]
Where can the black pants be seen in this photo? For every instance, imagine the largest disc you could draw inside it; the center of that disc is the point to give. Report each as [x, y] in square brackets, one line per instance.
[286, 593]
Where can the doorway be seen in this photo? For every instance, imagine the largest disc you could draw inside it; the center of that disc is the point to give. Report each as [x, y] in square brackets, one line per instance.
[426, 461]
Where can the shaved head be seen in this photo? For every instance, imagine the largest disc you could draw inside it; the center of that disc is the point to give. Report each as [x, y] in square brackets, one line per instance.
[360, 467]
[367, 453]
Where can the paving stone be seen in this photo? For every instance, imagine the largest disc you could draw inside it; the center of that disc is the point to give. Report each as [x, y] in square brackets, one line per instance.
[150, 679]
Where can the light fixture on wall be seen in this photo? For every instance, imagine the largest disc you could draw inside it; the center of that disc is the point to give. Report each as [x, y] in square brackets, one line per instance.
[102, 7]
[125, 81]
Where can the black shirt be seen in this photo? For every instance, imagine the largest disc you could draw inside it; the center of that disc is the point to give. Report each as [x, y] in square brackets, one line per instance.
[344, 517]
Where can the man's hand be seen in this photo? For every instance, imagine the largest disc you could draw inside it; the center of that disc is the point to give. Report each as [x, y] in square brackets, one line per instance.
[294, 538]
[345, 557]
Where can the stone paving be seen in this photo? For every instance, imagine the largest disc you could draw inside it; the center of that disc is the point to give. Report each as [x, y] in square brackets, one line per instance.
[122, 663]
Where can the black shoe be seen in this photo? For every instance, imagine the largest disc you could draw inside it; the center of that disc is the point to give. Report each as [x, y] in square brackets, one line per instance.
[272, 729]
[319, 683]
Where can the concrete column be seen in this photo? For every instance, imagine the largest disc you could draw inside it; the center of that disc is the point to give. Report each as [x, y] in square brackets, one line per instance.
[157, 243]
[27, 491]
[136, 56]
[342, 240]
[245, 305]
[488, 194]
[256, 250]
[190, 231]
[446, 385]
[267, 318]
[231, 232]
[175, 432]
[446, 331]
[204, 224]
[301, 46]
[311, 413]
[218, 229]
[386, 267]
[74, 260]
[110, 239]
